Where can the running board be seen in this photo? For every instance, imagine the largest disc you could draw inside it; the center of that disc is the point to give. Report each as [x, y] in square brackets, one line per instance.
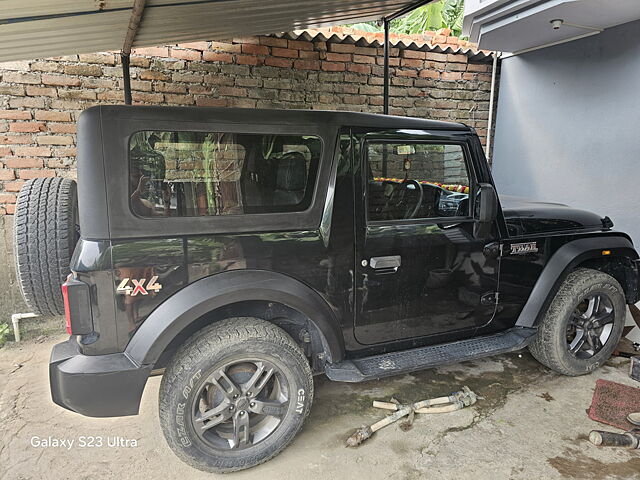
[394, 363]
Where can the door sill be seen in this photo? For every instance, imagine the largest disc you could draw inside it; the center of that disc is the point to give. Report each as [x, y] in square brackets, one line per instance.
[394, 363]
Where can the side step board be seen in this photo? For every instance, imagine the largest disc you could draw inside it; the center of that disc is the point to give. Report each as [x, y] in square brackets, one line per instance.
[394, 363]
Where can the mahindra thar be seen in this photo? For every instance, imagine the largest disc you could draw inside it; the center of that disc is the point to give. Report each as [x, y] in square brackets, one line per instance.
[240, 252]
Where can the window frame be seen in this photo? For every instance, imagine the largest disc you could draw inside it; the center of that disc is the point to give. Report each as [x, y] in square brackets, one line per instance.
[310, 192]
[466, 152]
[111, 130]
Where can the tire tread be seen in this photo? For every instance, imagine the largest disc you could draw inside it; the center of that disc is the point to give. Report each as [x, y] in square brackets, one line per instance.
[218, 336]
[544, 346]
[44, 242]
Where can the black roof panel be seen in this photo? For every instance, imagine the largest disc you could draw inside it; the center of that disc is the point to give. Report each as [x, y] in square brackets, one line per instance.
[273, 117]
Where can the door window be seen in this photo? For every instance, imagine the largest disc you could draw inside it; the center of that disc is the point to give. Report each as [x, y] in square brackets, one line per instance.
[416, 181]
[187, 174]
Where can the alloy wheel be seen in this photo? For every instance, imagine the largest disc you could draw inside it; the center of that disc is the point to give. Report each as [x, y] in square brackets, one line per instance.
[590, 326]
[240, 404]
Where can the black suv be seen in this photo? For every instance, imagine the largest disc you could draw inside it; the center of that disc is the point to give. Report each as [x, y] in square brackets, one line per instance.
[241, 252]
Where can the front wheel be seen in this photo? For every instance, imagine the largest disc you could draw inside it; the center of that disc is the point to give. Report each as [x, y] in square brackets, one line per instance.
[235, 395]
[583, 325]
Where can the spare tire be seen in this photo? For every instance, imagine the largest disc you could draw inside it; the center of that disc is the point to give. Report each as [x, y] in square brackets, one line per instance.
[46, 233]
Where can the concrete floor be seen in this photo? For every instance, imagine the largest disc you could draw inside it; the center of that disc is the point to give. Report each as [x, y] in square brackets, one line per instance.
[531, 425]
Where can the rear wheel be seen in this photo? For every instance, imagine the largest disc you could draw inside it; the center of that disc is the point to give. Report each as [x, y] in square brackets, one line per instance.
[235, 395]
[583, 325]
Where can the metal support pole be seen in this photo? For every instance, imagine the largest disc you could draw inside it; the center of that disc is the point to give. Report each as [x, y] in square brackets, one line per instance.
[134, 24]
[126, 76]
[386, 67]
[386, 22]
[491, 107]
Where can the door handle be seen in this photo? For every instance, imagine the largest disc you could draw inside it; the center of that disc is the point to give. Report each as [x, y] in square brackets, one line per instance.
[390, 263]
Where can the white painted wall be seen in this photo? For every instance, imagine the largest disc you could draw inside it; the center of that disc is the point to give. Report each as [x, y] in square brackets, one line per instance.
[568, 127]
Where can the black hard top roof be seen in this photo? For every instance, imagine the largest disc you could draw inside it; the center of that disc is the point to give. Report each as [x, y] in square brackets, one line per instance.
[271, 116]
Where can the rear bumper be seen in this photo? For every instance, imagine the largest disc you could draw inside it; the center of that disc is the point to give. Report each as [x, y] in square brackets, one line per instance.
[95, 385]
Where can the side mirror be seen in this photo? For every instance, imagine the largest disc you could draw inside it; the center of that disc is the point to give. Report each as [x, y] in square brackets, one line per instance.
[486, 210]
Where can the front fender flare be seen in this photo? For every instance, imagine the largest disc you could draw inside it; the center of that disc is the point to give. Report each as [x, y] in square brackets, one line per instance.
[210, 293]
[565, 259]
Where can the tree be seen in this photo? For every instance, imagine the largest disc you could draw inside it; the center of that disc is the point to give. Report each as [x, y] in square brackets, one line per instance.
[441, 14]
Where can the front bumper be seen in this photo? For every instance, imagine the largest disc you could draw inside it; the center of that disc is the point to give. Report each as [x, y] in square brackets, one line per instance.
[95, 385]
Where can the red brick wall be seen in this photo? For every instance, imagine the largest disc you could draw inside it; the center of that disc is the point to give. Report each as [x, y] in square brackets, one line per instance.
[40, 100]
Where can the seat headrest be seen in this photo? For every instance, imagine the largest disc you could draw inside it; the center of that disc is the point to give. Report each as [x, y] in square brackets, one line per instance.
[291, 174]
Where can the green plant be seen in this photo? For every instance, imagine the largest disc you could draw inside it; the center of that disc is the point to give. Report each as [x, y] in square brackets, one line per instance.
[427, 17]
[442, 14]
[365, 27]
[452, 16]
[5, 331]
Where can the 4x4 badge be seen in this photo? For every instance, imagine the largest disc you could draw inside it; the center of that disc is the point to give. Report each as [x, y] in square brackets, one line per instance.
[138, 286]
[523, 248]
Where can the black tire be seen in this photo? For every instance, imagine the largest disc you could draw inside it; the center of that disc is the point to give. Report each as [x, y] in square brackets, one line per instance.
[46, 233]
[186, 384]
[557, 334]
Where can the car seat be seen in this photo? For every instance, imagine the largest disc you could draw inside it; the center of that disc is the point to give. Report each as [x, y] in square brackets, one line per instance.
[291, 179]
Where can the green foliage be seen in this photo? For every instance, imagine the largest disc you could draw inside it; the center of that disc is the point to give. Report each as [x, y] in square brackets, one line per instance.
[371, 27]
[5, 331]
[452, 16]
[428, 17]
[442, 14]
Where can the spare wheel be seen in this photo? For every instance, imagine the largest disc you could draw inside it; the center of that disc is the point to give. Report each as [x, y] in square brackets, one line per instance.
[46, 233]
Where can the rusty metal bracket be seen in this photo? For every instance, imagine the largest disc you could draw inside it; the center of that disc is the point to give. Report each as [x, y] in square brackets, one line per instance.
[132, 30]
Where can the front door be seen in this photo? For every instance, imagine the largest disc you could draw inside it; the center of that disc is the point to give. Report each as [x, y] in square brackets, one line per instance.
[419, 269]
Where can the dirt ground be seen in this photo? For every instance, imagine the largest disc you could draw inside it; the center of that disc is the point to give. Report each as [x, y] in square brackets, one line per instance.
[531, 424]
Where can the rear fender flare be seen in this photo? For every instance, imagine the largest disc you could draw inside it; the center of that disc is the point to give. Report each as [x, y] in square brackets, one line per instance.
[216, 291]
[561, 263]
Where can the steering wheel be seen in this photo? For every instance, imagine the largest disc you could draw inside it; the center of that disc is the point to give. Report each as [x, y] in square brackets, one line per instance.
[394, 204]
[463, 208]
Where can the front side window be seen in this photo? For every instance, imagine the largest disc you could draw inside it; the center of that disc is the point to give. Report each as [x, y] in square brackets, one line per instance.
[188, 174]
[416, 180]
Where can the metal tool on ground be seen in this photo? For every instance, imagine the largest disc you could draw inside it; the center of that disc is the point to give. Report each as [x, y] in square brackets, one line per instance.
[456, 401]
[630, 439]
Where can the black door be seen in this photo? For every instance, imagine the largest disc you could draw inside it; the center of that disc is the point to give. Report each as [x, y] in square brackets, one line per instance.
[419, 269]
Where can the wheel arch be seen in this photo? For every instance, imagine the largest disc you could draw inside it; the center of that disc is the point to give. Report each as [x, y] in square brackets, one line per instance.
[272, 296]
[588, 253]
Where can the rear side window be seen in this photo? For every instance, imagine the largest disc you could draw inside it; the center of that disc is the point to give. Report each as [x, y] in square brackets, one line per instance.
[188, 174]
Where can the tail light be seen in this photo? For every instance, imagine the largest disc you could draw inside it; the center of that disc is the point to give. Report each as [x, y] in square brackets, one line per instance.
[67, 310]
[77, 307]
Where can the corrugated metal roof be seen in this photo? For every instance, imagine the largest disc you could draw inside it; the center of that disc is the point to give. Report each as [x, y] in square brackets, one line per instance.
[21, 9]
[423, 43]
[187, 22]
[56, 37]
[44, 28]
